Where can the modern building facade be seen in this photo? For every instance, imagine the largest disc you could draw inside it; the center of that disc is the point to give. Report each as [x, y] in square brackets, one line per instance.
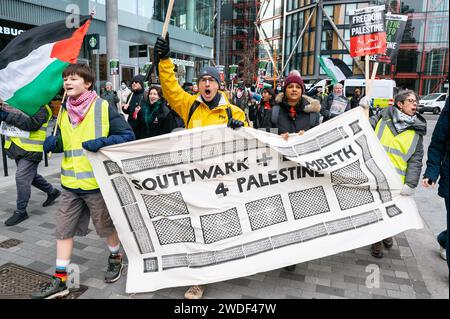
[423, 61]
[238, 37]
[140, 22]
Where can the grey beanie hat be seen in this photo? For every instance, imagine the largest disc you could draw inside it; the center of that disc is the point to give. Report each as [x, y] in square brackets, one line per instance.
[211, 71]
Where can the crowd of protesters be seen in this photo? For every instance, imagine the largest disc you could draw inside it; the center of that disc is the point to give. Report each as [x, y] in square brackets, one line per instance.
[137, 113]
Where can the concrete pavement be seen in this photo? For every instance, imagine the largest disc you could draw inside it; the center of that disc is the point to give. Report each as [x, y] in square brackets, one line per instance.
[411, 269]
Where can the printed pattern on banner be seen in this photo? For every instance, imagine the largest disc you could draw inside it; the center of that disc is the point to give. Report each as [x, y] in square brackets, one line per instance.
[309, 202]
[172, 231]
[165, 205]
[230, 204]
[221, 226]
[266, 212]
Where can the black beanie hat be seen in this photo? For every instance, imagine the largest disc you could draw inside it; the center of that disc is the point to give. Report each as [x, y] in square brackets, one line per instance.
[140, 79]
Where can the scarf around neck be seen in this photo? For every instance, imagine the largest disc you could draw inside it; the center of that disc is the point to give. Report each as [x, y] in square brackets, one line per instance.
[402, 121]
[78, 108]
[150, 112]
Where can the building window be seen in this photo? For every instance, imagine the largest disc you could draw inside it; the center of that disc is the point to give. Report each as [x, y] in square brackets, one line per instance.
[441, 5]
[128, 6]
[411, 6]
[435, 30]
[408, 61]
[192, 15]
[435, 60]
[414, 30]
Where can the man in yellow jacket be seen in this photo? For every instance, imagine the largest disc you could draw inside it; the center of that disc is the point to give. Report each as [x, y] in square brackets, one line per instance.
[208, 107]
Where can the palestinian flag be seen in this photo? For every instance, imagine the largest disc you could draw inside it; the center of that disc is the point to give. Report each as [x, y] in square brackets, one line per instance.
[336, 69]
[31, 65]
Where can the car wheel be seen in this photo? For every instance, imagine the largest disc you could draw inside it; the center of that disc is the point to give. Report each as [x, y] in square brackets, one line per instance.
[436, 110]
[420, 112]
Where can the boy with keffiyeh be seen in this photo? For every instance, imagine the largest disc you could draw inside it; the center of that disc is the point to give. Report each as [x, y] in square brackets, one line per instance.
[86, 123]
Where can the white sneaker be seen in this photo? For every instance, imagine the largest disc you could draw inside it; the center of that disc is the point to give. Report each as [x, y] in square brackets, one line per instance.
[442, 252]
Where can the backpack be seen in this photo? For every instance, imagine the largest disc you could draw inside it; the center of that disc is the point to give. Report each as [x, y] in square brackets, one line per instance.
[178, 121]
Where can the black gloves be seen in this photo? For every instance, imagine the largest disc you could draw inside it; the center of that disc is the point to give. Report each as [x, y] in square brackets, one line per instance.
[235, 124]
[162, 47]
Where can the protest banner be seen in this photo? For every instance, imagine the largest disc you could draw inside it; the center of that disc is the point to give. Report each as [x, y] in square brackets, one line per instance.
[367, 31]
[212, 204]
[395, 27]
[368, 37]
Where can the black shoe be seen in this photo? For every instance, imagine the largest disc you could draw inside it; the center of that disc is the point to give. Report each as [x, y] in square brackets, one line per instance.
[115, 266]
[52, 197]
[16, 218]
[376, 250]
[55, 289]
[388, 242]
[290, 268]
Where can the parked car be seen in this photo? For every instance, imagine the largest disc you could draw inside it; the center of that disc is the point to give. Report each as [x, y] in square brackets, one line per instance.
[433, 102]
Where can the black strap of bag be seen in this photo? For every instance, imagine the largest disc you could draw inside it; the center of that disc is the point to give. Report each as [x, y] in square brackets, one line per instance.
[194, 107]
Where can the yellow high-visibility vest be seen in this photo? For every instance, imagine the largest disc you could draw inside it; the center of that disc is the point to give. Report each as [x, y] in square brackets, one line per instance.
[399, 148]
[76, 170]
[35, 143]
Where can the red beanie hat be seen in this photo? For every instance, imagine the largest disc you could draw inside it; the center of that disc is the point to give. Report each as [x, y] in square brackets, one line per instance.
[294, 79]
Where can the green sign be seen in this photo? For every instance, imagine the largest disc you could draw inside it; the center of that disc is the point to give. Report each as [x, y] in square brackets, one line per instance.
[262, 65]
[233, 71]
[114, 66]
[146, 68]
[93, 41]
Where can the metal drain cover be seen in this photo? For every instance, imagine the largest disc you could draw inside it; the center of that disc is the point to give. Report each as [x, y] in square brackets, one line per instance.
[18, 282]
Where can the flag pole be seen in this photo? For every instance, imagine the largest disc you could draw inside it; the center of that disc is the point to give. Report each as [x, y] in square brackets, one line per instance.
[368, 83]
[167, 21]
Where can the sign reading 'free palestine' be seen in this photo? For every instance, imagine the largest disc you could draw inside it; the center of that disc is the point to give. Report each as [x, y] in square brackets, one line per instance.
[367, 31]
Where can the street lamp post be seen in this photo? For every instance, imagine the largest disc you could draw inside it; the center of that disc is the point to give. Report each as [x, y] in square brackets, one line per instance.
[112, 39]
[218, 33]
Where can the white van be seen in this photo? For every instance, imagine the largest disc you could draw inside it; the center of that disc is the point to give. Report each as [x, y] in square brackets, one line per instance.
[433, 102]
[383, 91]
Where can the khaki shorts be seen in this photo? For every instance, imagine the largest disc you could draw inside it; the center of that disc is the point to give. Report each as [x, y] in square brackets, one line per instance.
[72, 218]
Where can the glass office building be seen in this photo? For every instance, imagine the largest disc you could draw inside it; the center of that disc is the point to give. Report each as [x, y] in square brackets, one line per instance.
[423, 61]
[140, 22]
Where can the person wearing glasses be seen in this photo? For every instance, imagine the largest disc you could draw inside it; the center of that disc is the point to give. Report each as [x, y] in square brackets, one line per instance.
[134, 102]
[208, 107]
[400, 130]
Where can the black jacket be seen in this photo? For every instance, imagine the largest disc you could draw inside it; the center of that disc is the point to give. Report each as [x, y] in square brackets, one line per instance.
[30, 124]
[307, 116]
[111, 97]
[163, 122]
[258, 114]
[354, 102]
[136, 99]
[438, 154]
